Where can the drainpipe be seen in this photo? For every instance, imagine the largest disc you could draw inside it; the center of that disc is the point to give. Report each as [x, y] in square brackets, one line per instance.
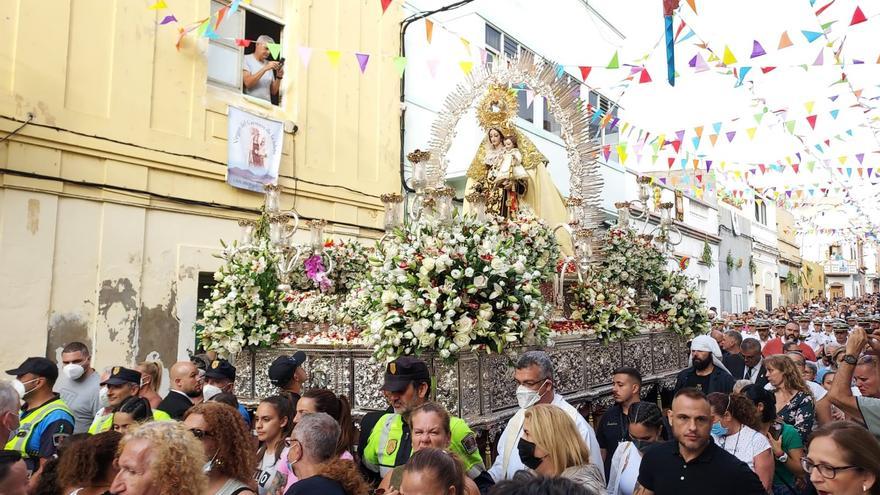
[403, 27]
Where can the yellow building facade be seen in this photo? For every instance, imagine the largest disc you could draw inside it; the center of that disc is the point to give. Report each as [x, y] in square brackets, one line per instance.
[113, 196]
[790, 260]
[812, 281]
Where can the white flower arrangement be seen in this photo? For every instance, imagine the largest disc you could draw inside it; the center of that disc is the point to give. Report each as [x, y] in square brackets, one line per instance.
[466, 286]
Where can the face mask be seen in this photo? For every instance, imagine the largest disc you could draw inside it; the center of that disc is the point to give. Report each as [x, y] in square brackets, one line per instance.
[527, 454]
[527, 397]
[642, 444]
[103, 397]
[20, 387]
[14, 430]
[718, 430]
[74, 371]
[145, 382]
[209, 391]
[291, 464]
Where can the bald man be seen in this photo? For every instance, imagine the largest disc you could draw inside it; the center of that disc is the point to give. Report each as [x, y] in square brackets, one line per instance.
[186, 389]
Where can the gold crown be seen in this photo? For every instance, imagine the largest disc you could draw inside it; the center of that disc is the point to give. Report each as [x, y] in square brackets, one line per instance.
[498, 109]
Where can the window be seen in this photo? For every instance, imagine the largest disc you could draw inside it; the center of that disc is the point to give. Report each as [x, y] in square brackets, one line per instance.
[768, 302]
[736, 300]
[703, 287]
[761, 212]
[225, 58]
[493, 44]
[203, 295]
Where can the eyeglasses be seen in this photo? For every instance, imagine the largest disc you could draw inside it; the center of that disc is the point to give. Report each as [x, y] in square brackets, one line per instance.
[288, 442]
[827, 472]
[200, 434]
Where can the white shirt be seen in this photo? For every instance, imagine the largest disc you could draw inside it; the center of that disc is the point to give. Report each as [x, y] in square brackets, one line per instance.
[624, 469]
[515, 464]
[818, 391]
[744, 445]
[754, 371]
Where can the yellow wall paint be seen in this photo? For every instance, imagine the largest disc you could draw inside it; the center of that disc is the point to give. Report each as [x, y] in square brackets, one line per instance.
[116, 104]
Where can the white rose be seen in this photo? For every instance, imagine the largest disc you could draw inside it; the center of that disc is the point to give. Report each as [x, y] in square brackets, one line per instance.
[428, 264]
[480, 282]
[461, 339]
[388, 296]
[456, 274]
[468, 272]
[464, 324]
[420, 327]
[427, 339]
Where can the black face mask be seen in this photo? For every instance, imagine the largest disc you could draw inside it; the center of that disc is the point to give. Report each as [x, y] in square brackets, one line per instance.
[642, 444]
[527, 454]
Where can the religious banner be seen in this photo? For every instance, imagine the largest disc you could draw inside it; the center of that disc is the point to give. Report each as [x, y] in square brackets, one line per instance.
[254, 150]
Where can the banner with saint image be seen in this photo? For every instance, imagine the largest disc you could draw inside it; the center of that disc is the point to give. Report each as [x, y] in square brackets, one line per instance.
[254, 150]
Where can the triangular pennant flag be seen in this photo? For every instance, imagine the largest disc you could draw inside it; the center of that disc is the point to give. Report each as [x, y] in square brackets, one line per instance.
[305, 56]
[811, 119]
[820, 59]
[671, 160]
[767, 69]
[693, 5]
[606, 150]
[742, 75]
[757, 49]
[696, 142]
[585, 72]
[763, 168]
[274, 49]
[400, 65]
[614, 63]
[784, 41]
[790, 126]
[530, 97]
[860, 157]
[466, 66]
[429, 30]
[869, 171]
[795, 167]
[645, 77]
[811, 36]
[158, 5]
[432, 67]
[466, 44]
[210, 33]
[385, 4]
[810, 166]
[713, 138]
[363, 59]
[203, 27]
[676, 145]
[220, 15]
[730, 136]
[242, 42]
[708, 165]
[717, 127]
[234, 7]
[333, 57]
[168, 19]
[858, 17]
[679, 135]
[728, 59]
[751, 132]
[698, 131]
[809, 106]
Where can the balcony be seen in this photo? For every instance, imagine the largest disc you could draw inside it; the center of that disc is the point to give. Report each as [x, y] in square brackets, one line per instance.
[841, 267]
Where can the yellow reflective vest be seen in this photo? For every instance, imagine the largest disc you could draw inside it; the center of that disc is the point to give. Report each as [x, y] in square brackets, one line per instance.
[29, 423]
[105, 423]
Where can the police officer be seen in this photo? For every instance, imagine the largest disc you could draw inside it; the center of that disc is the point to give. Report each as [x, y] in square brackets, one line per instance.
[45, 420]
[121, 384]
[220, 379]
[287, 373]
[385, 440]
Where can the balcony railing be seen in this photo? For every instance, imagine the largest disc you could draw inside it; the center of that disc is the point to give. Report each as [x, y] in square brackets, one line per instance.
[841, 267]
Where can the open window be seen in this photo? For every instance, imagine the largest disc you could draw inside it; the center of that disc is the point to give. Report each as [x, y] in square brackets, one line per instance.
[249, 22]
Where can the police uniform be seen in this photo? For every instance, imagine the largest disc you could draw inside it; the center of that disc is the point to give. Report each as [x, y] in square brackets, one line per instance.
[385, 440]
[43, 427]
[121, 376]
[223, 370]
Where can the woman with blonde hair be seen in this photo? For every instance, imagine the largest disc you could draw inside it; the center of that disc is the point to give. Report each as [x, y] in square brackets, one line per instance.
[151, 381]
[161, 458]
[794, 401]
[551, 446]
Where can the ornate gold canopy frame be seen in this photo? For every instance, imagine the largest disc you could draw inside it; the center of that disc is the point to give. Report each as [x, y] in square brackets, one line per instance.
[561, 95]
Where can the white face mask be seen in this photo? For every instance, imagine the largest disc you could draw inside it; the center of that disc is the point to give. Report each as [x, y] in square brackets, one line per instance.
[19, 387]
[209, 391]
[74, 371]
[14, 430]
[103, 397]
[208, 466]
[527, 397]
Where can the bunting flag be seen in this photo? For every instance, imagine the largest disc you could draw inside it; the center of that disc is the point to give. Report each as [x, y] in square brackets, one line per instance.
[362, 59]
[693, 5]
[728, 59]
[646, 78]
[767, 69]
[466, 66]
[784, 41]
[730, 136]
[757, 49]
[220, 14]
[158, 5]
[811, 119]
[614, 63]
[585, 72]
[274, 49]
[858, 17]
[751, 132]
[429, 30]
[333, 57]
[305, 56]
[234, 7]
[811, 36]
[466, 44]
[699, 63]
[820, 58]
[168, 19]
[400, 65]
[385, 4]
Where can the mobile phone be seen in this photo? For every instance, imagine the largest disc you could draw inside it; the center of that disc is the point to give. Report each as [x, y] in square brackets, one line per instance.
[776, 430]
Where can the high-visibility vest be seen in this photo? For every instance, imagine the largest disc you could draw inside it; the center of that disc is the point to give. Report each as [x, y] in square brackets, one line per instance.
[29, 423]
[107, 423]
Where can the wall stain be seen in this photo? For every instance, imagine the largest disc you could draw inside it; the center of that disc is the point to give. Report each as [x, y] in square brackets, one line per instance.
[158, 330]
[119, 291]
[44, 109]
[33, 216]
[65, 328]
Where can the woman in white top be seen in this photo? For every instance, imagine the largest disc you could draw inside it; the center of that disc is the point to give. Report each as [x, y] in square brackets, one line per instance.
[735, 429]
[645, 429]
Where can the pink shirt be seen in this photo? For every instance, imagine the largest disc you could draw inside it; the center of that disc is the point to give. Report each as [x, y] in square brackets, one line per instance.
[291, 478]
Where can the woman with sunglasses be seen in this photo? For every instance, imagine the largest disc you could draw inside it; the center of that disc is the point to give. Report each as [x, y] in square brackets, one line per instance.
[843, 458]
[229, 456]
[734, 429]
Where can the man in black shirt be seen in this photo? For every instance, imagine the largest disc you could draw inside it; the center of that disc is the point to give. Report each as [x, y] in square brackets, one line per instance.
[706, 373]
[692, 463]
[733, 360]
[626, 385]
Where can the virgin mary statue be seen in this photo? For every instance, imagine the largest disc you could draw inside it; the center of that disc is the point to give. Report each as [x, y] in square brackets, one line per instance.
[508, 169]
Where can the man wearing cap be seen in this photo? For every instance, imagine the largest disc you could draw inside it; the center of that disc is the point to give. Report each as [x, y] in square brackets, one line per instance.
[762, 328]
[220, 379]
[385, 440]
[121, 384]
[288, 374]
[45, 420]
[841, 332]
[186, 386]
[706, 373]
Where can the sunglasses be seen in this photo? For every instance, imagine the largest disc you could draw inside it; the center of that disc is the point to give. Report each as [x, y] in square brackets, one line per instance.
[200, 434]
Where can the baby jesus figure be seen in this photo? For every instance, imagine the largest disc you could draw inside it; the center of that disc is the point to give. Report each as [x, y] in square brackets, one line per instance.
[510, 175]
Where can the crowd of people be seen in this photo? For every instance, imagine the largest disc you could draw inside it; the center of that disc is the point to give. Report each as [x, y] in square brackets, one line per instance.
[763, 407]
